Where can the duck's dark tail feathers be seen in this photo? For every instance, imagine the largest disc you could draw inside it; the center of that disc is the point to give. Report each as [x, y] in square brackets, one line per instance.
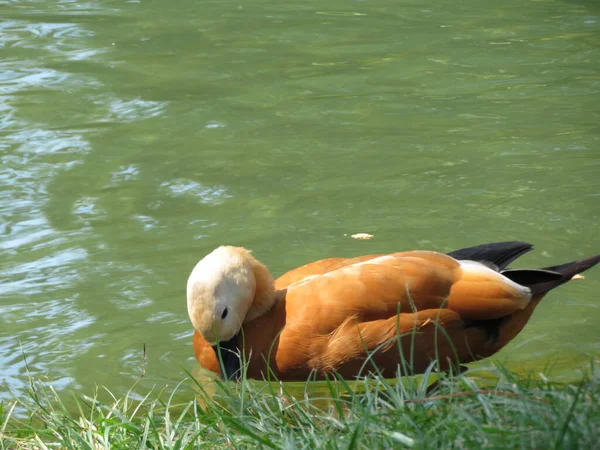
[500, 254]
[541, 281]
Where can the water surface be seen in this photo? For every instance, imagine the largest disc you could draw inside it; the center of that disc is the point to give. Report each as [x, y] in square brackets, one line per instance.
[137, 136]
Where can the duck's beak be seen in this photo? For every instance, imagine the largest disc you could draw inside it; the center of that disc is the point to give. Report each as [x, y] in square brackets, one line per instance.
[228, 355]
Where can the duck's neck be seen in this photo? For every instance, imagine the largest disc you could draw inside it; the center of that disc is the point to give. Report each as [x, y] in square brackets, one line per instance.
[264, 295]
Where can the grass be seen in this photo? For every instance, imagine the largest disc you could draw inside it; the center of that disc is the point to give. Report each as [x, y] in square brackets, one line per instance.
[461, 411]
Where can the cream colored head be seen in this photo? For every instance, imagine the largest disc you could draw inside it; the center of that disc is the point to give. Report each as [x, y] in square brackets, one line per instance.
[227, 288]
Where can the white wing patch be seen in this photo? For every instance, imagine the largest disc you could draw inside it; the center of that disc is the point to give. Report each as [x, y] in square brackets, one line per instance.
[484, 271]
[348, 270]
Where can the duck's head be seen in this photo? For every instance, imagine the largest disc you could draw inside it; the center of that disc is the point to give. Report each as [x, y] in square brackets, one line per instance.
[227, 288]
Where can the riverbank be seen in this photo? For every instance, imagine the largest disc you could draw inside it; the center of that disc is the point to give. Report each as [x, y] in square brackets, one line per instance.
[463, 411]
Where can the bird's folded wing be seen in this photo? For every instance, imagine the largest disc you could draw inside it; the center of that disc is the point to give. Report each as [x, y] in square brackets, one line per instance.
[383, 286]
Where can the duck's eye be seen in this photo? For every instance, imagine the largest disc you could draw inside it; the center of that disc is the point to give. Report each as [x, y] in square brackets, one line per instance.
[224, 313]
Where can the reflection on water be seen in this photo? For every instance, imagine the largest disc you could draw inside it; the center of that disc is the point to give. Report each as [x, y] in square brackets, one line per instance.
[136, 139]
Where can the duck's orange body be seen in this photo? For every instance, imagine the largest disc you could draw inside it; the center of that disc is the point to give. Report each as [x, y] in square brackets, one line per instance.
[403, 309]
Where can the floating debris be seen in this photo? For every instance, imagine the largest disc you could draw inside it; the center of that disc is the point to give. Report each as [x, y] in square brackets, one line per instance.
[362, 236]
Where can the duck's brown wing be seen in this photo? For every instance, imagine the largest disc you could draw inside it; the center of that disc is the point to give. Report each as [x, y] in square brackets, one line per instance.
[334, 320]
[381, 287]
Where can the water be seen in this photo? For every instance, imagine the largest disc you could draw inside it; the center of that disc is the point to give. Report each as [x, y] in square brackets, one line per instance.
[138, 136]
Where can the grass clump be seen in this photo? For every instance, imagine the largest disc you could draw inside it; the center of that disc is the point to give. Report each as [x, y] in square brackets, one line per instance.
[461, 411]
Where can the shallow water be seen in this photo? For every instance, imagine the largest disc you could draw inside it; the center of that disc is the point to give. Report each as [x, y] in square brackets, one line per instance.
[137, 136]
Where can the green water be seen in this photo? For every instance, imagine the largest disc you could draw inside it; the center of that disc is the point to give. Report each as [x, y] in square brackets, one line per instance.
[137, 136]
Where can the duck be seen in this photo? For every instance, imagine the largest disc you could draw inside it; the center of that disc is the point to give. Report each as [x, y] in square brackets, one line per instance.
[382, 313]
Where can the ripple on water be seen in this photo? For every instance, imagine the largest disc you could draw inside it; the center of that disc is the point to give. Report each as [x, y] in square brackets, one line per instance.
[130, 294]
[136, 109]
[43, 274]
[187, 188]
[12, 80]
[49, 347]
[86, 210]
[58, 38]
[164, 317]
[148, 222]
[125, 173]
[25, 173]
